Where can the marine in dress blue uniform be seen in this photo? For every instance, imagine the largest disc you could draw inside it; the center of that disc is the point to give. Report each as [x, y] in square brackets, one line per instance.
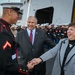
[8, 60]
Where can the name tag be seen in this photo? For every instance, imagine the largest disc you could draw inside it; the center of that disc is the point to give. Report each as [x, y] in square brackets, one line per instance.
[13, 56]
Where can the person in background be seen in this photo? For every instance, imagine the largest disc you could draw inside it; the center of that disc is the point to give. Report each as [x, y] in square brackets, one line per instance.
[65, 54]
[31, 42]
[14, 30]
[8, 61]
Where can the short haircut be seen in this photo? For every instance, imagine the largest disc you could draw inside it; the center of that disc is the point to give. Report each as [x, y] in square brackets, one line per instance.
[33, 17]
[72, 25]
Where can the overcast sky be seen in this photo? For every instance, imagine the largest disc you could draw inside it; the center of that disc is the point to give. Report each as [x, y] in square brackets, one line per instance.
[3, 1]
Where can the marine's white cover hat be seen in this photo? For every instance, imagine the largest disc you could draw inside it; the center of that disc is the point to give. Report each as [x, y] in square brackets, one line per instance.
[13, 5]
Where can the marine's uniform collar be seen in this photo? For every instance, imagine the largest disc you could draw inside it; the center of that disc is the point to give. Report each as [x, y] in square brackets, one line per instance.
[5, 22]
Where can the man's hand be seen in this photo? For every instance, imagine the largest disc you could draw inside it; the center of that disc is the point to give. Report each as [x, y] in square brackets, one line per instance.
[33, 62]
[30, 65]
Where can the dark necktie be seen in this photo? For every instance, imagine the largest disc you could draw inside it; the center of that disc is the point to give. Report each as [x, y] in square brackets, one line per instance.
[31, 36]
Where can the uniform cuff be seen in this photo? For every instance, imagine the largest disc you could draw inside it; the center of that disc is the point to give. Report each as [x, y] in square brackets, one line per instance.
[23, 70]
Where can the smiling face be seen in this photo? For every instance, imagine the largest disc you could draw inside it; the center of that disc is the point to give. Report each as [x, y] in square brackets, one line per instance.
[71, 33]
[31, 23]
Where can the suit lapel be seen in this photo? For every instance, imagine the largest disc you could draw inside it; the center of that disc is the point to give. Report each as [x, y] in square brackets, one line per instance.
[36, 36]
[26, 34]
[70, 55]
[63, 49]
[62, 52]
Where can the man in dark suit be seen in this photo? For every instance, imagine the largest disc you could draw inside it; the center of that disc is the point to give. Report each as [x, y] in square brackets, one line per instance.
[31, 45]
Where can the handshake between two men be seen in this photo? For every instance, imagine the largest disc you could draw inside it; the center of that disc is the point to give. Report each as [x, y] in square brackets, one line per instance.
[33, 62]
